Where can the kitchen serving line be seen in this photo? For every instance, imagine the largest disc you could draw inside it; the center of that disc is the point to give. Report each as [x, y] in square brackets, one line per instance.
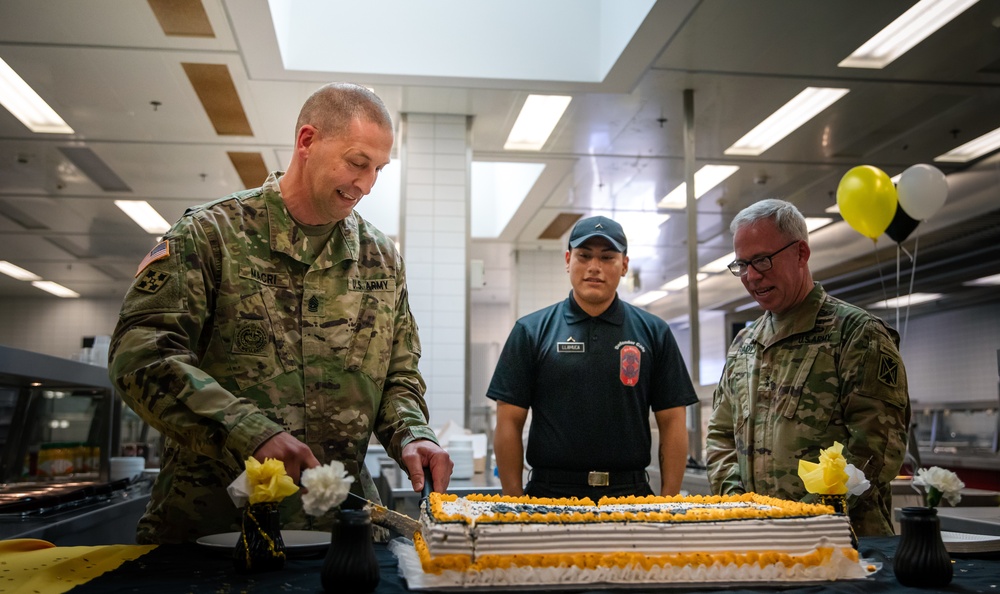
[169, 569]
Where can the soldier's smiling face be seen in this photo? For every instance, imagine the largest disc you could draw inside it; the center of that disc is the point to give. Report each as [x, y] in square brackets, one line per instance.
[788, 282]
[595, 269]
[340, 169]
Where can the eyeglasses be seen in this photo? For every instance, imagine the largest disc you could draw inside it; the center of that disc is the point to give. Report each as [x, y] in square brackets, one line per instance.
[760, 263]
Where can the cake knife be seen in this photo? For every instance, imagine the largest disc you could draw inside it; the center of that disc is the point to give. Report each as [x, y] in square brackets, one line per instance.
[387, 518]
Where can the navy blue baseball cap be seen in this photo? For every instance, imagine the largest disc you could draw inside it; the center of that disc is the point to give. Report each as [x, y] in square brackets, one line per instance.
[598, 227]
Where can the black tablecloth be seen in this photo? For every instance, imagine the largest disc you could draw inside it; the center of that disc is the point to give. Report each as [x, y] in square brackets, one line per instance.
[172, 569]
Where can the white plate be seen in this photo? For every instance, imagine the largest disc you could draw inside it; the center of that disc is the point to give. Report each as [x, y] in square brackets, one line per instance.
[962, 542]
[296, 541]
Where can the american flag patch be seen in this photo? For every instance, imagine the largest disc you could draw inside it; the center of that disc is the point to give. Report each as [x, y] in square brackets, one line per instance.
[162, 250]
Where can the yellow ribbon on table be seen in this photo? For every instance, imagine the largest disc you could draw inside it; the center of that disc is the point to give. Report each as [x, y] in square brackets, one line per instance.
[30, 565]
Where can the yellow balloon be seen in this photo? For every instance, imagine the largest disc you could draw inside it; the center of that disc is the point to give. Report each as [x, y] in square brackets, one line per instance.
[867, 200]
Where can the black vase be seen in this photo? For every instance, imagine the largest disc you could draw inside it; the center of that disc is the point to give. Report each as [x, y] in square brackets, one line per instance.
[260, 546]
[921, 559]
[350, 566]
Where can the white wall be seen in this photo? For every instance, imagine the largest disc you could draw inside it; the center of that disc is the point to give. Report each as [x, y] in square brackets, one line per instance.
[952, 356]
[54, 326]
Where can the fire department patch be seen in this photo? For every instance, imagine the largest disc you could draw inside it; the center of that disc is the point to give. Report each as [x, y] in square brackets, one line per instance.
[630, 359]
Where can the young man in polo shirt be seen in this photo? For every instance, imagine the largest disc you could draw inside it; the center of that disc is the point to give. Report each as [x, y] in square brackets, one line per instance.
[590, 369]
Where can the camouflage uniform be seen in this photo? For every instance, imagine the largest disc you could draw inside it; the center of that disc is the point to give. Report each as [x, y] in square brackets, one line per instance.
[241, 333]
[827, 371]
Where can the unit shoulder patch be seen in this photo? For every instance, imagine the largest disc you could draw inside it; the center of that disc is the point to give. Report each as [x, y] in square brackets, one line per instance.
[888, 370]
[152, 281]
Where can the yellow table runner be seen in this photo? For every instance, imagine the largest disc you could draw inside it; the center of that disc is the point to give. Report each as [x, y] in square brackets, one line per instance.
[30, 566]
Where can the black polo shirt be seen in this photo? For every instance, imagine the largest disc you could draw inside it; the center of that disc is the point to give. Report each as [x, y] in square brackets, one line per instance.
[590, 383]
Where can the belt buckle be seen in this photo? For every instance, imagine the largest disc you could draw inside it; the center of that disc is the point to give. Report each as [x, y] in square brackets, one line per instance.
[597, 479]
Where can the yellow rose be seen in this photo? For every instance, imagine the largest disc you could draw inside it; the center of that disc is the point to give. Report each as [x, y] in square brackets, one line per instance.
[268, 482]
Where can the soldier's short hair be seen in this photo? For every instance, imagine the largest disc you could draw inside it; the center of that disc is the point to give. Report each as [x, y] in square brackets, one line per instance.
[333, 107]
[786, 217]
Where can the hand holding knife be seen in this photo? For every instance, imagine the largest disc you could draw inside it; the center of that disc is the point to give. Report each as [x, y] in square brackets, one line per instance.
[393, 520]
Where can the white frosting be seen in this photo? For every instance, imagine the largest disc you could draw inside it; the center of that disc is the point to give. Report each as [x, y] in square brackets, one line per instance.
[474, 534]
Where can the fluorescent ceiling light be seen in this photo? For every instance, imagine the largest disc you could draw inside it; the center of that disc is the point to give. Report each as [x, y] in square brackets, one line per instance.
[833, 209]
[813, 223]
[640, 227]
[144, 215]
[802, 108]
[681, 282]
[535, 123]
[974, 148]
[705, 179]
[909, 29]
[24, 104]
[648, 297]
[984, 281]
[17, 272]
[906, 300]
[719, 265]
[54, 288]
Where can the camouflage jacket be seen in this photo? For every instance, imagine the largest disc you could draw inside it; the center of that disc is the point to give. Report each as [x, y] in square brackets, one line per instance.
[233, 331]
[826, 371]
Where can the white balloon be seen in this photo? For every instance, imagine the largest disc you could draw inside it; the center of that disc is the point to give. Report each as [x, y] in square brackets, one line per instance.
[922, 190]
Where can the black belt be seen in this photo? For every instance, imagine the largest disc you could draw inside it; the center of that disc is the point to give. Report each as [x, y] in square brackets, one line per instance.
[592, 478]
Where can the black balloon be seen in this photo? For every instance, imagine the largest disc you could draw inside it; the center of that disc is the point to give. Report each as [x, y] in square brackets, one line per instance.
[901, 226]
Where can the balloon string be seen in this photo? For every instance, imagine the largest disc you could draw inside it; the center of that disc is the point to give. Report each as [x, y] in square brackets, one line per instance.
[913, 276]
[878, 266]
[897, 284]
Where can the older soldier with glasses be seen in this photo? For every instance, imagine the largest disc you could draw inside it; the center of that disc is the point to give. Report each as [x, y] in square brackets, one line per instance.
[810, 371]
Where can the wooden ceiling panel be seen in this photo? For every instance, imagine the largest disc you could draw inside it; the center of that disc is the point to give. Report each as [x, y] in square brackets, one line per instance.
[182, 18]
[250, 167]
[217, 93]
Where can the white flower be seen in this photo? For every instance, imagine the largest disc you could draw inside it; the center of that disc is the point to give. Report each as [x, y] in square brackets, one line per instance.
[856, 481]
[326, 487]
[939, 482]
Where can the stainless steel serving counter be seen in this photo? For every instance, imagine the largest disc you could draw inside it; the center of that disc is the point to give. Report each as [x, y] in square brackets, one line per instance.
[974, 520]
[109, 522]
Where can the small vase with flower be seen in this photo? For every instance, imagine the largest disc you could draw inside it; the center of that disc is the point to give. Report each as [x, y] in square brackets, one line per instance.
[258, 491]
[921, 559]
[350, 565]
